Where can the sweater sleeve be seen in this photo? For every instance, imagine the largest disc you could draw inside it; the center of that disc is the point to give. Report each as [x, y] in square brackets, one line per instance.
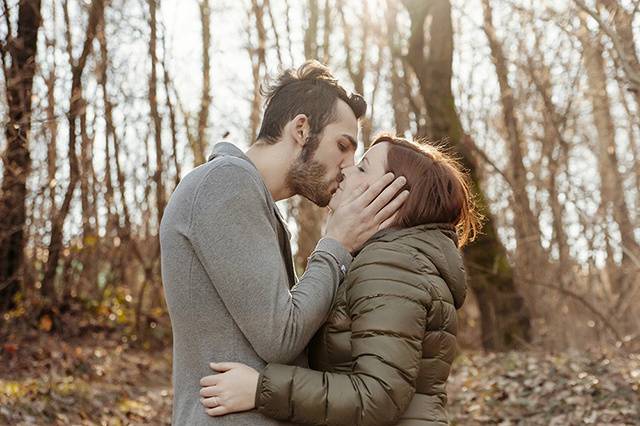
[388, 325]
[234, 240]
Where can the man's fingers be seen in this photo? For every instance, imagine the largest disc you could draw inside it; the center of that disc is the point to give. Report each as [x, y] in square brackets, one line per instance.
[387, 223]
[356, 193]
[209, 380]
[376, 188]
[386, 196]
[390, 210]
[210, 402]
[217, 411]
[208, 391]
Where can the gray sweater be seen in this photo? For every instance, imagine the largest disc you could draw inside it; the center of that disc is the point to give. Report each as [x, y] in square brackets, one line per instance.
[230, 284]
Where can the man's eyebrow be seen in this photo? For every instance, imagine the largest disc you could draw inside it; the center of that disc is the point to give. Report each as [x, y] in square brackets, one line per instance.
[352, 140]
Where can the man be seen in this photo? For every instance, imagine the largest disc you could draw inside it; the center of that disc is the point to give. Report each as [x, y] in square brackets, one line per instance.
[226, 260]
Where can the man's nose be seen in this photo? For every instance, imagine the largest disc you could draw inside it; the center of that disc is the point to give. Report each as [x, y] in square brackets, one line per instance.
[348, 161]
[345, 171]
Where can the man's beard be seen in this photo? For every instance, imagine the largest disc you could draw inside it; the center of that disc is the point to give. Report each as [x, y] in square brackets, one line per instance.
[306, 176]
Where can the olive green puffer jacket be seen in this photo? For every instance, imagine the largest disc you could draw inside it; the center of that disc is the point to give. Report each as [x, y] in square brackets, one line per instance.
[384, 354]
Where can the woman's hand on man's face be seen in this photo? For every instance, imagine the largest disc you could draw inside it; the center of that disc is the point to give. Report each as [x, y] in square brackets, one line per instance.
[231, 391]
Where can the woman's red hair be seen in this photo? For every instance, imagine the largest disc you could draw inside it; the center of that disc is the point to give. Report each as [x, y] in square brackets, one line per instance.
[439, 188]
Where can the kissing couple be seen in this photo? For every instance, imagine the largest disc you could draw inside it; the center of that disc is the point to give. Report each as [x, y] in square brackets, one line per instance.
[367, 335]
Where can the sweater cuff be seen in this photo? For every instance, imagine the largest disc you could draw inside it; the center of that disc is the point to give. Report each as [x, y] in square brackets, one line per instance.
[337, 251]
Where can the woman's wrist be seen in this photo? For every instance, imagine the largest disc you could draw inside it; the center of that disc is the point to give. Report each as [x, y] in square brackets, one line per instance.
[259, 388]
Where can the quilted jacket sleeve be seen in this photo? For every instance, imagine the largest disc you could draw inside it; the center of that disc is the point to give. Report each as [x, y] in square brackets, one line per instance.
[388, 309]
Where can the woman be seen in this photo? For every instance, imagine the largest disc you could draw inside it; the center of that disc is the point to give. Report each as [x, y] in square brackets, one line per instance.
[384, 354]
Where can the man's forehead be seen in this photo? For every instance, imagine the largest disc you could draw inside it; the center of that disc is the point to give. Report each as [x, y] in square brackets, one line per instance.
[346, 121]
[344, 112]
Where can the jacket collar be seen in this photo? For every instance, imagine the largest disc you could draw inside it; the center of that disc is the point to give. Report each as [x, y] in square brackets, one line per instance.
[390, 234]
[445, 257]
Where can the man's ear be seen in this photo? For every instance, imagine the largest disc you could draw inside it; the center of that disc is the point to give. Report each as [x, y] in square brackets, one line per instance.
[300, 129]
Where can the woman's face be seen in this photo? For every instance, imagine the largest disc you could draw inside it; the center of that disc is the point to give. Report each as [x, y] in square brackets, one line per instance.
[371, 167]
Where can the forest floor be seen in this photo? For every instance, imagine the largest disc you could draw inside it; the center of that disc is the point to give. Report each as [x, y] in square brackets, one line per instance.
[101, 379]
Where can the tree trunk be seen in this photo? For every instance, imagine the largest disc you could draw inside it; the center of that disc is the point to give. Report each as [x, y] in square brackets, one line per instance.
[113, 220]
[505, 319]
[287, 20]
[87, 256]
[22, 50]
[623, 21]
[612, 183]
[155, 114]
[311, 31]
[86, 164]
[274, 28]
[621, 36]
[399, 95]
[556, 150]
[308, 216]
[173, 125]
[52, 125]
[205, 100]
[357, 69]
[76, 108]
[632, 120]
[326, 32]
[530, 257]
[258, 68]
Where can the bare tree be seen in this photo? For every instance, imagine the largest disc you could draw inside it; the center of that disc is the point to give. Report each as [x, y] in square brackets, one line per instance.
[311, 31]
[205, 100]
[326, 31]
[530, 256]
[505, 319]
[173, 122]
[52, 121]
[612, 185]
[621, 35]
[258, 67]
[555, 149]
[21, 51]
[357, 68]
[155, 114]
[274, 28]
[76, 109]
[309, 216]
[197, 138]
[399, 92]
[288, 25]
[113, 219]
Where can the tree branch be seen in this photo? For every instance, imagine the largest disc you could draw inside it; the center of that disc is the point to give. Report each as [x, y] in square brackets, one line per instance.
[632, 75]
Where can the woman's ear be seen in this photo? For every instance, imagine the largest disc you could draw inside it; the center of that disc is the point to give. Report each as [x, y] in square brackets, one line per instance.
[300, 129]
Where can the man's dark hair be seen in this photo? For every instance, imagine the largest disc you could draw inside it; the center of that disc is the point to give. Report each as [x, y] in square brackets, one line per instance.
[310, 90]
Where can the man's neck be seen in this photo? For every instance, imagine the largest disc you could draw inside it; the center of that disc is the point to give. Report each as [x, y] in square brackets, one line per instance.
[273, 163]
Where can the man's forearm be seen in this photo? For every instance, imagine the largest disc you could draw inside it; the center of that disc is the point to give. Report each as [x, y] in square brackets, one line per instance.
[311, 300]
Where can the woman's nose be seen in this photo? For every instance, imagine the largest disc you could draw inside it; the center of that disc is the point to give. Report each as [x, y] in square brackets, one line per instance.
[347, 170]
